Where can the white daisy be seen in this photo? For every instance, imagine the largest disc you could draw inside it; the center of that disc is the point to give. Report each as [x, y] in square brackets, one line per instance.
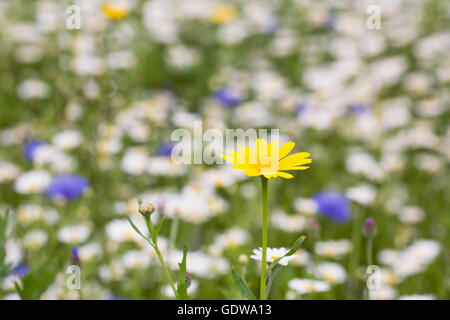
[34, 181]
[331, 272]
[8, 171]
[302, 286]
[272, 255]
[333, 248]
[136, 259]
[74, 234]
[68, 140]
[288, 223]
[35, 239]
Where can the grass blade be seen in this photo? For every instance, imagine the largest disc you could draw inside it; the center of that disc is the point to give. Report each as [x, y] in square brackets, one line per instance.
[245, 290]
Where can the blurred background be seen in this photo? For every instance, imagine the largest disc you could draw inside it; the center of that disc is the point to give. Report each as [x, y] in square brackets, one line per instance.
[86, 116]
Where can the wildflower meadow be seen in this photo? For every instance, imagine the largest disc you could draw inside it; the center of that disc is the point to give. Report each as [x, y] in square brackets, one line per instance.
[224, 150]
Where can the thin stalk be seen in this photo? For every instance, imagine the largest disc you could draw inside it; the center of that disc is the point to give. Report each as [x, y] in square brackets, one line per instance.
[369, 243]
[356, 241]
[369, 249]
[166, 270]
[154, 244]
[270, 280]
[80, 294]
[262, 294]
[173, 232]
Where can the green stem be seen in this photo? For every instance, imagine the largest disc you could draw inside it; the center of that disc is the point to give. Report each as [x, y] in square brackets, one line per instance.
[369, 259]
[369, 251]
[154, 244]
[166, 270]
[262, 294]
[356, 240]
[173, 232]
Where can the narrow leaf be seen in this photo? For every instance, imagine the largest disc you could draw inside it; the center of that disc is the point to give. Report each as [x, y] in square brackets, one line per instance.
[181, 285]
[297, 244]
[4, 268]
[245, 290]
[157, 229]
[137, 230]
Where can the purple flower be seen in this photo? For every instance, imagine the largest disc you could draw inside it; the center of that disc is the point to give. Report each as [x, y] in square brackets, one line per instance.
[357, 109]
[165, 149]
[333, 205]
[369, 227]
[331, 19]
[301, 107]
[75, 256]
[30, 148]
[67, 186]
[20, 270]
[228, 97]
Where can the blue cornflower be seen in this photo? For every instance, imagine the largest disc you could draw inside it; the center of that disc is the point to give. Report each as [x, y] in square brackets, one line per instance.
[20, 270]
[333, 205]
[228, 97]
[67, 186]
[331, 19]
[30, 148]
[75, 256]
[357, 109]
[301, 107]
[165, 149]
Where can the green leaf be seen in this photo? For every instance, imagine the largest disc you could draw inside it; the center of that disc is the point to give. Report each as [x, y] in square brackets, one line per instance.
[270, 278]
[149, 224]
[136, 228]
[245, 290]
[181, 286]
[36, 282]
[4, 268]
[157, 229]
[297, 244]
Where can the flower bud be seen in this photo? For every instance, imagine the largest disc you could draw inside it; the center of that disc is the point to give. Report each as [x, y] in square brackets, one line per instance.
[188, 280]
[76, 257]
[146, 209]
[369, 228]
[243, 259]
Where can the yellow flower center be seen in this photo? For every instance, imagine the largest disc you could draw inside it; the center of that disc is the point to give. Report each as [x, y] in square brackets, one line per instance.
[114, 11]
[223, 14]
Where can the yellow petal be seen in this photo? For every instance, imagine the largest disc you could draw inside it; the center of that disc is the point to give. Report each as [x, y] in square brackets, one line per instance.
[252, 172]
[285, 149]
[272, 149]
[285, 175]
[297, 168]
[247, 155]
[298, 164]
[294, 160]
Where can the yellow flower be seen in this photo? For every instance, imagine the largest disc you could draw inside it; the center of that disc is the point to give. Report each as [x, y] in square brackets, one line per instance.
[223, 14]
[115, 11]
[268, 160]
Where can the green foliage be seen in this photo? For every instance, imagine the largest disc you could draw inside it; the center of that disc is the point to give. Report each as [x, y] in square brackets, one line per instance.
[181, 286]
[243, 288]
[36, 282]
[297, 244]
[181, 290]
[4, 268]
